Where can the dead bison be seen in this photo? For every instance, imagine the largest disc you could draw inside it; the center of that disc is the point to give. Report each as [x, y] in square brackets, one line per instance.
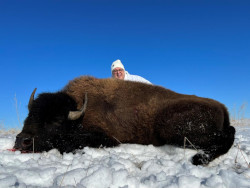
[114, 111]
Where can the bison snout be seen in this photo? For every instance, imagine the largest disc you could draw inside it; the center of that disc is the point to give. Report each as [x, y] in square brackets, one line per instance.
[27, 142]
[23, 143]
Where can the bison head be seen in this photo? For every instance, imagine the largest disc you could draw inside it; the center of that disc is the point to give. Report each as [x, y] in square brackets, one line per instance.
[53, 122]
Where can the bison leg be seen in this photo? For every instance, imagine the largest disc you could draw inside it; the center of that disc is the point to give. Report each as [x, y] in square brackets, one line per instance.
[219, 143]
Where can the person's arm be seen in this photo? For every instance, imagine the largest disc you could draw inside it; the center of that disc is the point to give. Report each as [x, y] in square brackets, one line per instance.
[136, 78]
[141, 79]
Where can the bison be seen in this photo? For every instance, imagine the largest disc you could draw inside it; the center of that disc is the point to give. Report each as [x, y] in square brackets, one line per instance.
[94, 112]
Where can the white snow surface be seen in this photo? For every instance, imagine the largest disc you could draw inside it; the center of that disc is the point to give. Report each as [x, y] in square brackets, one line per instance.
[126, 166]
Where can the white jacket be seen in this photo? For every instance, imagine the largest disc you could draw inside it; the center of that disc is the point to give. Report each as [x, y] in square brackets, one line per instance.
[135, 78]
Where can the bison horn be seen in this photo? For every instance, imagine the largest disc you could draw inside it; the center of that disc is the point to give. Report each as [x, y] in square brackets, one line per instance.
[74, 115]
[31, 98]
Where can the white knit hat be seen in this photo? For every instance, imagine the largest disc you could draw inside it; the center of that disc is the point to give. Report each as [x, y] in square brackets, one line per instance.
[117, 63]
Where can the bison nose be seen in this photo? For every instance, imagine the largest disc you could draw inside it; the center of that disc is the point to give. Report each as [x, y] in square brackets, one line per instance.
[26, 142]
[23, 143]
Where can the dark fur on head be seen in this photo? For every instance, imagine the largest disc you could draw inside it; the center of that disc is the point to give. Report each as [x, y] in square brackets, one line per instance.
[49, 126]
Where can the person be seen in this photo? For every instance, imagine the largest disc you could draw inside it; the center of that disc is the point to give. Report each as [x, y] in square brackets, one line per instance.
[118, 71]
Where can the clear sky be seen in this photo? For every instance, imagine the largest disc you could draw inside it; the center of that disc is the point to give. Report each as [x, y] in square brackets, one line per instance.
[199, 47]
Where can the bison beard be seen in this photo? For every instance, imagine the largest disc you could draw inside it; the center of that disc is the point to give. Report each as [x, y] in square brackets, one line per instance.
[117, 111]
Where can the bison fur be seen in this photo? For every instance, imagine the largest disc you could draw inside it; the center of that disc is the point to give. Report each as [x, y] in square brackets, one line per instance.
[117, 111]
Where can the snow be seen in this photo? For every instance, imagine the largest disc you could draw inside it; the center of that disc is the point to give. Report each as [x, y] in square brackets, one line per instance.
[126, 166]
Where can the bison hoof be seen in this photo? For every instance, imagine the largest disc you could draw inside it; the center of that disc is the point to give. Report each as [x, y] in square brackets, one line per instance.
[200, 159]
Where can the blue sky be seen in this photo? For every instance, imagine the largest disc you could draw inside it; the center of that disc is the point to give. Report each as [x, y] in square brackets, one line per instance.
[197, 47]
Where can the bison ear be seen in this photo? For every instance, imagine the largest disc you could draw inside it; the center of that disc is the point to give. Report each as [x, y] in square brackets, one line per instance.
[74, 115]
[31, 99]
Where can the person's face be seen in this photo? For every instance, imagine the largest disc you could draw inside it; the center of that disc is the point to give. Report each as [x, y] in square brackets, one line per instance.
[118, 73]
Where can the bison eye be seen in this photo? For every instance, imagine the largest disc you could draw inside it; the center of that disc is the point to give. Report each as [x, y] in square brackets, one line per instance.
[53, 124]
[57, 124]
[52, 127]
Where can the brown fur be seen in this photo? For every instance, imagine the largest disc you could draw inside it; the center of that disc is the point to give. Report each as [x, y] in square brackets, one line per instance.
[130, 110]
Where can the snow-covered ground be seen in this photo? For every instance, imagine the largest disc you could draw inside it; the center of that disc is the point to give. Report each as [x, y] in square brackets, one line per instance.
[126, 166]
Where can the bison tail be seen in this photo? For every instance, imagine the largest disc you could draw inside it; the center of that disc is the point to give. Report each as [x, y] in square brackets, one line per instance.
[228, 129]
[230, 132]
